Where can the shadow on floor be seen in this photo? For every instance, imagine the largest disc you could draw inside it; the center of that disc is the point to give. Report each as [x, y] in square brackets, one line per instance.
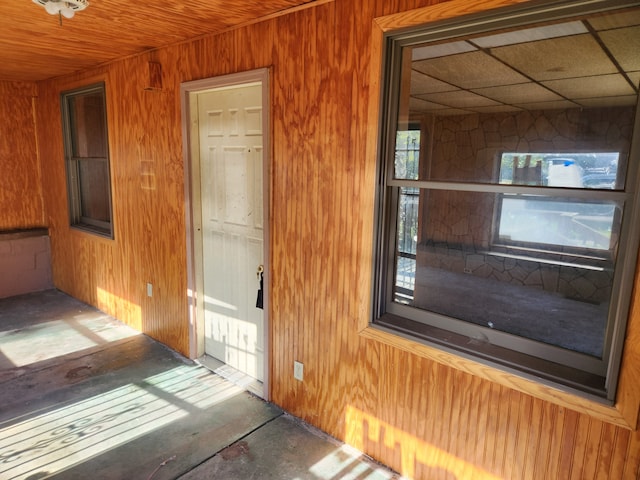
[83, 396]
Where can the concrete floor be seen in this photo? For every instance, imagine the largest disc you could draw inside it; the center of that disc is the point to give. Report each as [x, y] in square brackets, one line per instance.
[82, 396]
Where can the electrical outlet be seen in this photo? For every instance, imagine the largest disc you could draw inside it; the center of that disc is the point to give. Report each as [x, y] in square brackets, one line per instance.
[149, 290]
[298, 371]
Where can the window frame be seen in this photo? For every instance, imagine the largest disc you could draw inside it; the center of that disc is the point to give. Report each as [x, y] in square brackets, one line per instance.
[74, 162]
[432, 335]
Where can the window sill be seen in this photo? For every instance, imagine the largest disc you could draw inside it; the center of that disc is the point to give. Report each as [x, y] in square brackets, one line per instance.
[606, 413]
[93, 230]
[23, 233]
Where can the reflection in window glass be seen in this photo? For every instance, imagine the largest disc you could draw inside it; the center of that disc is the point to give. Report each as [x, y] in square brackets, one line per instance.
[506, 189]
[574, 170]
[407, 161]
[407, 154]
[540, 294]
[535, 220]
[407, 242]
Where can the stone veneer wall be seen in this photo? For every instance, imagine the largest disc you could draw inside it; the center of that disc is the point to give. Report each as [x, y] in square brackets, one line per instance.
[457, 227]
[570, 282]
[25, 262]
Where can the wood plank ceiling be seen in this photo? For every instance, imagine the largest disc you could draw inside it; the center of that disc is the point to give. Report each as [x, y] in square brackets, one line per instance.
[35, 45]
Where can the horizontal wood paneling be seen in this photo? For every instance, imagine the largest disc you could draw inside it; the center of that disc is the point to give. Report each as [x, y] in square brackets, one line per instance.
[21, 203]
[423, 417]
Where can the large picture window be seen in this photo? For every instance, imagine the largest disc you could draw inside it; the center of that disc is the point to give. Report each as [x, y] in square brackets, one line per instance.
[506, 214]
[87, 159]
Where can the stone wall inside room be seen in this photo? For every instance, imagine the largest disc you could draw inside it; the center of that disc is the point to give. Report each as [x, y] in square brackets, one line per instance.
[458, 227]
[467, 147]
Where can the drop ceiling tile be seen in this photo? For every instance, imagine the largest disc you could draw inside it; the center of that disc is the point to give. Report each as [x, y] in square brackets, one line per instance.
[557, 105]
[627, 101]
[421, 83]
[440, 50]
[624, 44]
[453, 111]
[469, 70]
[575, 56]
[635, 78]
[496, 109]
[589, 87]
[519, 94]
[458, 99]
[625, 18]
[531, 34]
[419, 105]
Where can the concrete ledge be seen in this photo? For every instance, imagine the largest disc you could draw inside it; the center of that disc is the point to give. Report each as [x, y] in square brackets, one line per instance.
[25, 261]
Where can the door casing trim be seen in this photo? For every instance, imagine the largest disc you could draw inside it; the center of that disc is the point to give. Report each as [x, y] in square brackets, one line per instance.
[193, 224]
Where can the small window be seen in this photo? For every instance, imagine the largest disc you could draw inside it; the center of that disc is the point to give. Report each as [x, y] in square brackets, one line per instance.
[87, 159]
[506, 223]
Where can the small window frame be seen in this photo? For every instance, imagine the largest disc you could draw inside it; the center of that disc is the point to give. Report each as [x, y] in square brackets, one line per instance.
[78, 219]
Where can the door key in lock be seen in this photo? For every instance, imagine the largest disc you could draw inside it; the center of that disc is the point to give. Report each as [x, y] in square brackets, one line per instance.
[260, 274]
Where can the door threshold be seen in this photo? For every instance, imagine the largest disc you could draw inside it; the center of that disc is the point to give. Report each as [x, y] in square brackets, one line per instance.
[233, 375]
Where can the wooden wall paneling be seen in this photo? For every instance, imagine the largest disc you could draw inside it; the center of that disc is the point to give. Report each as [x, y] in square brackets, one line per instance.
[21, 199]
[618, 456]
[335, 189]
[53, 183]
[605, 451]
[566, 441]
[291, 277]
[256, 44]
[415, 414]
[594, 439]
[580, 446]
[632, 457]
[310, 252]
[629, 386]
[553, 440]
[504, 413]
[355, 34]
[155, 199]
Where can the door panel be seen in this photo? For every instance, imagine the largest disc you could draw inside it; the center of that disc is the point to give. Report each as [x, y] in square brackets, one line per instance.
[232, 217]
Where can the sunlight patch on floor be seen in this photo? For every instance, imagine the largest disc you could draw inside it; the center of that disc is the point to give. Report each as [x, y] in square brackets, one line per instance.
[348, 462]
[56, 338]
[56, 440]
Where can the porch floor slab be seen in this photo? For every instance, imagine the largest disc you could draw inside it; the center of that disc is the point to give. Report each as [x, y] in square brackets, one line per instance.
[84, 396]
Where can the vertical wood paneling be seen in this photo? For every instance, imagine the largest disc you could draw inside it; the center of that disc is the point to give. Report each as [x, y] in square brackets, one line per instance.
[420, 417]
[21, 203]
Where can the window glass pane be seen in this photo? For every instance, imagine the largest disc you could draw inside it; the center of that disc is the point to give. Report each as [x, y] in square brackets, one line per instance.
[550, 96]
[406, 243]
[87, 118]
[578, 170]
[550, 294]
[94, 193]
[87, 159]
[528, 220]
[407, 154]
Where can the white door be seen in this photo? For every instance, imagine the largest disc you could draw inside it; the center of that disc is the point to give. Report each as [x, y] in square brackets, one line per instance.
[231, 184]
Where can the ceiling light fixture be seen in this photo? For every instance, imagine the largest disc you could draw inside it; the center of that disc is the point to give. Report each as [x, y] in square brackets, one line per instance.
[63, 8]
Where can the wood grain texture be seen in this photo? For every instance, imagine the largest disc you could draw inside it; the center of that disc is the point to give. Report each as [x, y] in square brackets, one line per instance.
[21, 200]
[427, 416]
[71, 45]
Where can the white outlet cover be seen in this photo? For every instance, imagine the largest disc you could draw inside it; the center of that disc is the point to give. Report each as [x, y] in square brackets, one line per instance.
[298, 370]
